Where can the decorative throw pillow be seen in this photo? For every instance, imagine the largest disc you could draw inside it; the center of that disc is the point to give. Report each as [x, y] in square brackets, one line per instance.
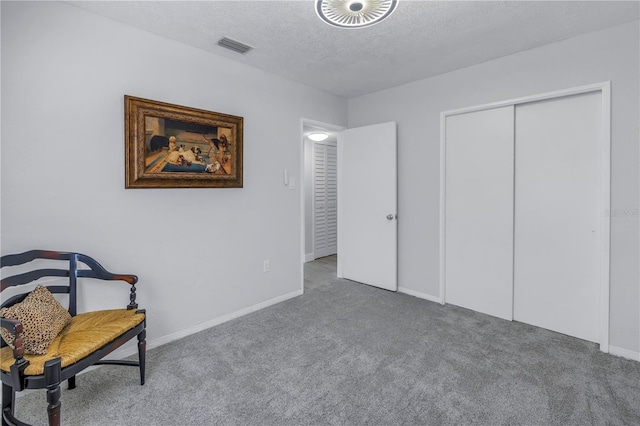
[42, 318]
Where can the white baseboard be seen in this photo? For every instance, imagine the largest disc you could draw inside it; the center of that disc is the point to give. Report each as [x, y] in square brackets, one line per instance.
[131, 348]
[309, 257]
[625, 353]
[217, 321]
[419, 294]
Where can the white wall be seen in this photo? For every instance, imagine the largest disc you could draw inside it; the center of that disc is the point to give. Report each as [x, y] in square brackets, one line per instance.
[198, 252]
[605, 55]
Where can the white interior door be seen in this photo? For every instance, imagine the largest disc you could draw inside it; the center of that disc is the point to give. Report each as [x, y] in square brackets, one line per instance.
[478, 263]
[558, 174]
[367, 205]
[325, 199]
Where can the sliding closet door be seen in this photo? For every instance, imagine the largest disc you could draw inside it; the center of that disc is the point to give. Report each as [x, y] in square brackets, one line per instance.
[557, 187]
[478, 263]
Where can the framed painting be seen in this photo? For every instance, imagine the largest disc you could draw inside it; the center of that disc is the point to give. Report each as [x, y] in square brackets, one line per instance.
[172, 146]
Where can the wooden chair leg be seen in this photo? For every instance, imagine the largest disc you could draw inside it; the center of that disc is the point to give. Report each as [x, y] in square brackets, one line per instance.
[8, 398]
[52, 376]
[72, 382]
[142, 353]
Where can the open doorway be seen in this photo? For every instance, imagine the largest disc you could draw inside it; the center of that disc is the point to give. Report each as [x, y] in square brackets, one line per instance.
[365, 202]
[319, 206]
[320, 272]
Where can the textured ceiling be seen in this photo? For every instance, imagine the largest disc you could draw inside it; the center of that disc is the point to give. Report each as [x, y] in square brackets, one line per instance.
[419, 40]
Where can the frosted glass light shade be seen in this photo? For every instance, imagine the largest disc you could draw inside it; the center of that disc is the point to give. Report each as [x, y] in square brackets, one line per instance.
[318, 137]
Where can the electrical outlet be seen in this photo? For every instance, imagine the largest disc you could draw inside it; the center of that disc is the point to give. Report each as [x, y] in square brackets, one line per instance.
[266, 267]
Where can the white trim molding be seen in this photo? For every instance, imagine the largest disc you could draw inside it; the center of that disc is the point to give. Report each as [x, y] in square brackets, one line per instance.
[624, 353]
[443, 201]
[419, 294]
[605, 193]
[339, 273]
[605, 219]
[159, 341]
[304, 256]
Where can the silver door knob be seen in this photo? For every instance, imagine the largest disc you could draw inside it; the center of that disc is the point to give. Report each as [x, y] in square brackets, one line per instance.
[389, 217]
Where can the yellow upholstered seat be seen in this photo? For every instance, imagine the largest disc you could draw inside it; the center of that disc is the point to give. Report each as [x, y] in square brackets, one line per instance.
[85, 334]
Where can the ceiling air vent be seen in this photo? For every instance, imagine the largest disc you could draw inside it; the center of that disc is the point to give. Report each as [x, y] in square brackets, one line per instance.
[234, 45]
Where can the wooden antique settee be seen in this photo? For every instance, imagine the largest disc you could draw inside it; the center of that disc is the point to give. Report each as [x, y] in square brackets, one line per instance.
[43, 343]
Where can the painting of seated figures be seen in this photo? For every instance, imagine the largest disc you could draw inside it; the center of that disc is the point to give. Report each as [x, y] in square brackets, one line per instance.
[175, 146]
[181, 146]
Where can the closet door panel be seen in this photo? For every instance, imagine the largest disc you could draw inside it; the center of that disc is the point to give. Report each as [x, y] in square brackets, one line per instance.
[478, 264]
[557, 186]
[325, 193]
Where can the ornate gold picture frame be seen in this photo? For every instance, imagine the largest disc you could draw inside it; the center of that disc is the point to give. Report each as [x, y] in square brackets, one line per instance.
[172, 146]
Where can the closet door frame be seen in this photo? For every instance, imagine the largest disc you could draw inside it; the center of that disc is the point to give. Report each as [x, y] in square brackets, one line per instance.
[604, 190]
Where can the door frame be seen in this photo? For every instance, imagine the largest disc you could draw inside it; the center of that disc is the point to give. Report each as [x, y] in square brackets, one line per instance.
[604, 226]
[306, 122]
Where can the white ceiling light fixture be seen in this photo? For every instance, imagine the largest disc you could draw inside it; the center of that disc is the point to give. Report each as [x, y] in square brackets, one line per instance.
[318, 137]
[354, 13]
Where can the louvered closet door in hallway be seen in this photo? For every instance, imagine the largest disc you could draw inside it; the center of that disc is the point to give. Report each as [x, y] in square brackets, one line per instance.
[325, 193]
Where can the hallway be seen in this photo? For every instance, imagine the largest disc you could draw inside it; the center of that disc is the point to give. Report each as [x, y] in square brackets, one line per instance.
[320, 272]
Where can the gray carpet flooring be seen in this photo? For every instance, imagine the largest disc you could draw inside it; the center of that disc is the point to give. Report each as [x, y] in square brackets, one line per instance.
[349, 354]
